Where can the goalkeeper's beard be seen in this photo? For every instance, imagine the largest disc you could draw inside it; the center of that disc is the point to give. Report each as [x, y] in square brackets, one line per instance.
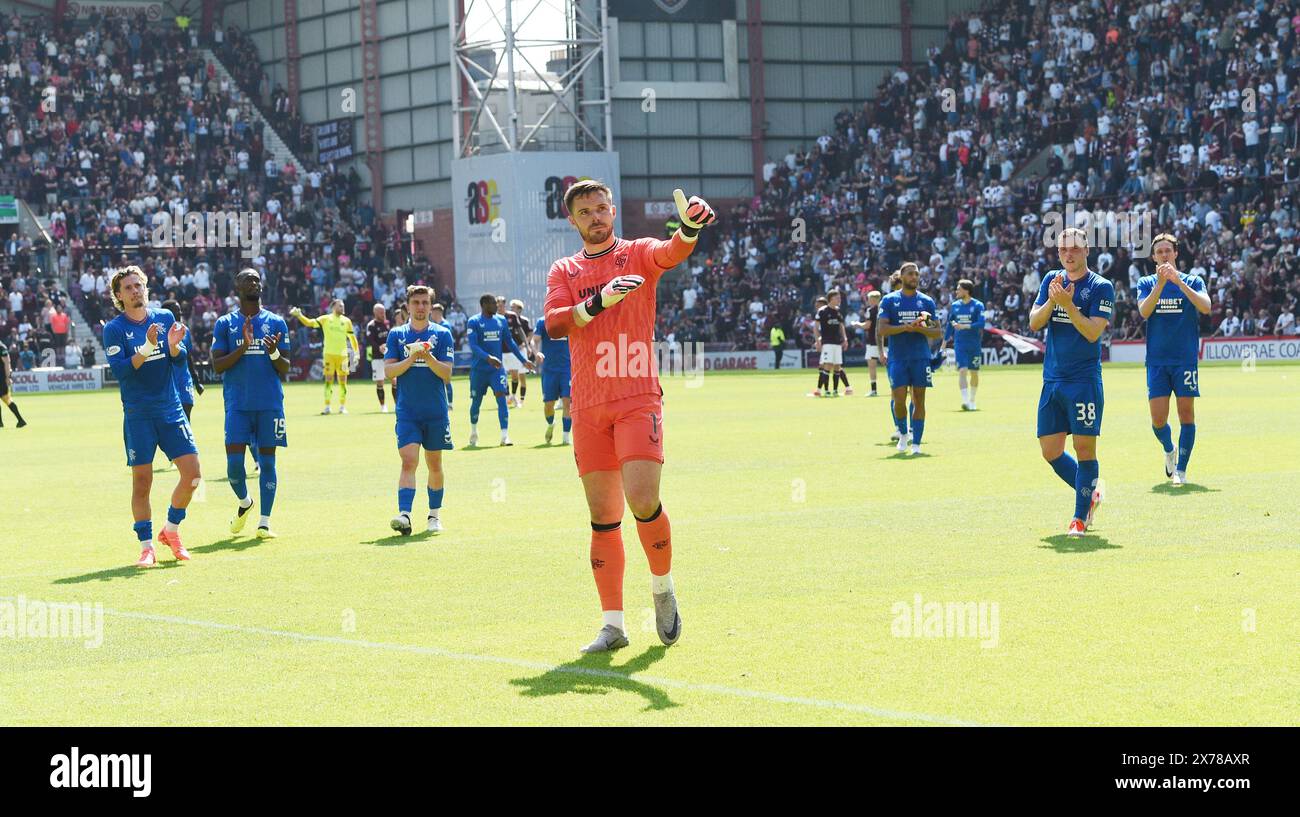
[598, 233]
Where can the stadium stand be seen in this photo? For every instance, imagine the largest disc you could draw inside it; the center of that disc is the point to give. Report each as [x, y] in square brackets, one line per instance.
[1187, 110]
[143, 122]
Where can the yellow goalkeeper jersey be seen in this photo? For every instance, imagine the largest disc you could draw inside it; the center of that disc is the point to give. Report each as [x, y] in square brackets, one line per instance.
[337, 329]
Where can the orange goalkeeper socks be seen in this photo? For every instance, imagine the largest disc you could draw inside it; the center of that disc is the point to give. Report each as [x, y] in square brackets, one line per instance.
[607, 562]
[657, 541]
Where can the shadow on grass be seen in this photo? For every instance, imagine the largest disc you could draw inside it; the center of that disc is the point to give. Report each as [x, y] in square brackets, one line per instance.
[416, 535]
[595, 675]
[907, 455]
[229, 543]
[127, 572]
[1188, 488]
[1062, 543]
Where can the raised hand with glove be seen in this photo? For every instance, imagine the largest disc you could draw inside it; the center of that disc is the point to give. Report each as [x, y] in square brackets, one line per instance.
[695, 213]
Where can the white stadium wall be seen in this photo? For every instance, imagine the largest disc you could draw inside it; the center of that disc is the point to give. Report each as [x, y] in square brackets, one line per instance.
[819, 57]
[415, 65]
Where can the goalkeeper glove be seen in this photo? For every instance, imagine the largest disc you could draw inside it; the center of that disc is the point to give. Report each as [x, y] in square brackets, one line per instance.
[695, 214]
[613, 292]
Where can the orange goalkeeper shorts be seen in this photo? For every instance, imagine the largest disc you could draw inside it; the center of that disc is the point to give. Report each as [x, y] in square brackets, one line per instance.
[609, 434]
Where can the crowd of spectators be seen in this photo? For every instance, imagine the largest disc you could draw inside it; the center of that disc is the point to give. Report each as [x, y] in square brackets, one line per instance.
[1184, 110]
[112, 127]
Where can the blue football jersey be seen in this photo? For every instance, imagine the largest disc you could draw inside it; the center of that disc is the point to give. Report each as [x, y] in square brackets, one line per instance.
[182, 380]
[421, 394]
[969, 318]
[252, 384]
[148, 391]
[897, 309]
[556, 350]
[1174, 328]
[1071, 358]
[490, 336]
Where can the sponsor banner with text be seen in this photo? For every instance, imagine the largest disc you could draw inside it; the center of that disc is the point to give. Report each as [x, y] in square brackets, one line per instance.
[734, 361]
[1219, 349]
[47, 380]
[510, 223]
[1287, 348]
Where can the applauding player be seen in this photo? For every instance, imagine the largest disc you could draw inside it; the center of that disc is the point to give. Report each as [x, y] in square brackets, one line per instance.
[436, 317]
[420, 354]
[489, 336]
[603, 300]
[1170, 302]
[1075, 305]
[246, 351]
[966, 330]
[907, 323]
[143, 346]
[554, 356]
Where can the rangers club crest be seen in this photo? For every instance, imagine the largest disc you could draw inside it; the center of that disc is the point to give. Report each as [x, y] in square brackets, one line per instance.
[671, 6]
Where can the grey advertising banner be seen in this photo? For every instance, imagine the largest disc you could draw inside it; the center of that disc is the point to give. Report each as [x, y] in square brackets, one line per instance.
[510, 221]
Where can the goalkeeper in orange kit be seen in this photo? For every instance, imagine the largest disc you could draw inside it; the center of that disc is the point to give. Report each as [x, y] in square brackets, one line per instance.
[603, 300]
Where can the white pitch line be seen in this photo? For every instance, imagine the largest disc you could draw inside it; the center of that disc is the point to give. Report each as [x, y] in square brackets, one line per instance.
[716, 689]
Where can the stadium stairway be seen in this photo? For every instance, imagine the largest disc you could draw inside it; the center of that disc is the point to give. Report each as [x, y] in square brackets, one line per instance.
[278, 147]
[82, 329]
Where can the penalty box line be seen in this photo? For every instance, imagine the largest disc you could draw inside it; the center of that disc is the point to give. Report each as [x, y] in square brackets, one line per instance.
[715, 689]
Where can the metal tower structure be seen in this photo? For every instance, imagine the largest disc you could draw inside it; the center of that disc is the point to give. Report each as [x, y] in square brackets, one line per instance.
[374, 109]
[578, 96]
[292, 57]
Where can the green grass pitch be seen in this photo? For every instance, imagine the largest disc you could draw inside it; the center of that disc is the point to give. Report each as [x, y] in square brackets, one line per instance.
[802, 547]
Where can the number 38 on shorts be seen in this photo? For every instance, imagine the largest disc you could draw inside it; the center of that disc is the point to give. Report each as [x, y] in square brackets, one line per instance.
[1070, 408]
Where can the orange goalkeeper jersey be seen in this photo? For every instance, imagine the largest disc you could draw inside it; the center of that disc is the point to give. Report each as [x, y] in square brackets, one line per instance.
[613, 357]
